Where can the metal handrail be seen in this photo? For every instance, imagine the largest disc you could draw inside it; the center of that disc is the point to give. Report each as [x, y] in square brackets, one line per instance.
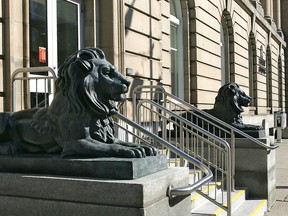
[163, 113]
[27, 70]
[167, 100]
[174, 191]
[208, 116]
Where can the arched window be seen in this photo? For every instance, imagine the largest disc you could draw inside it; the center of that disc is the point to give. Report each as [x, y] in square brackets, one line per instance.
[176, 49]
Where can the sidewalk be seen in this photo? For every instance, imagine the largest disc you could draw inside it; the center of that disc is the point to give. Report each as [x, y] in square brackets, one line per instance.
[280, 208]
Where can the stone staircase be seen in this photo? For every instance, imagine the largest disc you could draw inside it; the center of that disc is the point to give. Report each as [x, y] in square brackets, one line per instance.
[241, 205]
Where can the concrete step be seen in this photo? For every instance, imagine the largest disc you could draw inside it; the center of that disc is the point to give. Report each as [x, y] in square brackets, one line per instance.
[211, 189]
[197, 200]
[252, 208]
[200, 206]
[237, 197]
[240, 206]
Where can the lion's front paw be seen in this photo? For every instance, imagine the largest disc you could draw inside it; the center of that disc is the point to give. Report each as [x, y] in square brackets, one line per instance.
[135, 151]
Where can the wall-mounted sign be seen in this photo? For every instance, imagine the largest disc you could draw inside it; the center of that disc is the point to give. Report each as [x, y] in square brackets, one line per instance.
[42, 54]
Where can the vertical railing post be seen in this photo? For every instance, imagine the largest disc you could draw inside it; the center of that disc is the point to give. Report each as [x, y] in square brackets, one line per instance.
[233, 159]
[230, 179]
[181, 132]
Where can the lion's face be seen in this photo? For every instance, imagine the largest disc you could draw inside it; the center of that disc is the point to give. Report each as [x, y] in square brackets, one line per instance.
[241, 98]
[91, 83]
[109, 83]
[231, 95]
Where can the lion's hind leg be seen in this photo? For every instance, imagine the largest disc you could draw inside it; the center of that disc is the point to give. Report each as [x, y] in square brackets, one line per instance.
[8, 148]
[7, 144]
[4, 126]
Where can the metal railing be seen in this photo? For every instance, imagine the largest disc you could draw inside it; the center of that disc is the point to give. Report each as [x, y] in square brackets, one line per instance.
[165, 114]
[30, 80]
[130, 131]
[195, 141]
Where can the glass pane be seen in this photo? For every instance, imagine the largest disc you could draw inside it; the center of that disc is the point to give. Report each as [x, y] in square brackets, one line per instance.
[67, 29]
[2, 76]
[174, 59]
[173, 37]
[173, 8]
[38, 33]
[1, 38]
[174, 74]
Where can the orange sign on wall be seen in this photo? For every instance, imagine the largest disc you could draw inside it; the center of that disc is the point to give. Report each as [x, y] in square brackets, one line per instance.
[42, 54]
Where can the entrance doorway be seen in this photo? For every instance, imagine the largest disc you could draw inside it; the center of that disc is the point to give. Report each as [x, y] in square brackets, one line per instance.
[55, 31]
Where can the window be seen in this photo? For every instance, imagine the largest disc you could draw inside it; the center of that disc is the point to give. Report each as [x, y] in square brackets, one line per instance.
[38, 33]
[176, 49]
[55, 31]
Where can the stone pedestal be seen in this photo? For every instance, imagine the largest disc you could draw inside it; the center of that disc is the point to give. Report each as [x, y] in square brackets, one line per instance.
[253, 133]
[110, 168]
[255, 169]
[43, 195]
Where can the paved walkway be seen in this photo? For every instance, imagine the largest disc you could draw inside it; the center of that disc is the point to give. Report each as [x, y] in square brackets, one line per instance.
[280, 208]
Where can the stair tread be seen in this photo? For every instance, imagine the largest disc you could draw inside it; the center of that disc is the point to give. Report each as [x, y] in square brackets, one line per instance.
[255, 207]
[252, 208]
[237, 197]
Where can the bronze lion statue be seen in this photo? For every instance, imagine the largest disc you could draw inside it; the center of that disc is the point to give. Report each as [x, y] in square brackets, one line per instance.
[79, 120]
[229, 105]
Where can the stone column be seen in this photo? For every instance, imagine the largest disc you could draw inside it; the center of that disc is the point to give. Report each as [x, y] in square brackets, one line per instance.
[278, 15]
[271, 8]
[269, 12]
[267, 8]
[278, 18]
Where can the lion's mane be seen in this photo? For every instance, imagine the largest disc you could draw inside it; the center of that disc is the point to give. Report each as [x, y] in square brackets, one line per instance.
[78, 84]
[229, 102]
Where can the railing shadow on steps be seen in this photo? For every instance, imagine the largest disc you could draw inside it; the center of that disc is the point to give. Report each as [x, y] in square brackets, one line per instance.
[206, 138]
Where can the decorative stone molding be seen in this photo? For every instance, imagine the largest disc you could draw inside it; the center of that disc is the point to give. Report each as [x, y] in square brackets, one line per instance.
[258, 6]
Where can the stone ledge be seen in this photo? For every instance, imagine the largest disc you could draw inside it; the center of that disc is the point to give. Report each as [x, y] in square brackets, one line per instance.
[43, 195]
[109, 168]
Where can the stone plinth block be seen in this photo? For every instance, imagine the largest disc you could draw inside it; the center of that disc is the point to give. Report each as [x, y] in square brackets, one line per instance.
[255, 169]
[253, 133]
[46, 195]
[111, 168]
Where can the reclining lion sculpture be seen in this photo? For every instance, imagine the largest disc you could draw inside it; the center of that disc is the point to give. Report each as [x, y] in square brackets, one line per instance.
[229, 105]
[78, 122]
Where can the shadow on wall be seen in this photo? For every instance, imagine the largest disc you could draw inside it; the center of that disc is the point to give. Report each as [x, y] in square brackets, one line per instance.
[128, 18]
[135, 82]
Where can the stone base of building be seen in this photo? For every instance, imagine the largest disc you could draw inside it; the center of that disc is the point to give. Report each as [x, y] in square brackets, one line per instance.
[255, 169]
[46, 195]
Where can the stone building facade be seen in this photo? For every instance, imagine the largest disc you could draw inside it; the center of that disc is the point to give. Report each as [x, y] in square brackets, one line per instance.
[191, 47]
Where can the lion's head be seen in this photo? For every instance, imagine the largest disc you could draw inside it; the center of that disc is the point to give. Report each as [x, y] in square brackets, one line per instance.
[90, 82]
[232, 97]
